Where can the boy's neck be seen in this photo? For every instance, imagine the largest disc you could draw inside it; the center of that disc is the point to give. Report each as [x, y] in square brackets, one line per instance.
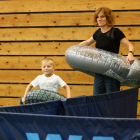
[49, 75]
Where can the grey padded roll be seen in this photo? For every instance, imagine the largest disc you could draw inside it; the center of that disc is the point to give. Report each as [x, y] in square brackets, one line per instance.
[41, 95]
[91, 60]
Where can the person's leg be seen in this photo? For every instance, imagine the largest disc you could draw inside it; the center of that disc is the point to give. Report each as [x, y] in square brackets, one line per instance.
[111, 84]
[99, 86]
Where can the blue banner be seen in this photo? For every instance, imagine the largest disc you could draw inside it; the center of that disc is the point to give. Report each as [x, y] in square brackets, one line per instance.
[49, 127]
[104, 117]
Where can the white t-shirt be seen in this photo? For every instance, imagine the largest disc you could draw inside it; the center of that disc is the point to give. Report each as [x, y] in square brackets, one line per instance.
[50, 83]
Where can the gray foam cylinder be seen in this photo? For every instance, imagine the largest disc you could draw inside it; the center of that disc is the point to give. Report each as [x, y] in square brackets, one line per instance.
[91, 60]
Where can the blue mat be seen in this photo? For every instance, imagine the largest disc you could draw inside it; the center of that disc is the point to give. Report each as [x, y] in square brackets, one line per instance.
[105, 117]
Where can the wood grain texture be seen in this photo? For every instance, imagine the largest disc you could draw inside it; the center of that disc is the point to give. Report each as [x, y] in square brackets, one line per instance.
[34, 48]
[49, 48]
[65, 5]
[138, 108]
[9, 101]
[64, 19]
[26, 76]
[66, 33]
[33, 62]
[17, 90]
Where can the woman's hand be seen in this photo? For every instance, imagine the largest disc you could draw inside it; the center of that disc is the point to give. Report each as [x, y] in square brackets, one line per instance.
[130, 58]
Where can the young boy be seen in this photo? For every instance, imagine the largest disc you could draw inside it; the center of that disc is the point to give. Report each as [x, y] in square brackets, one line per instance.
[47, 80]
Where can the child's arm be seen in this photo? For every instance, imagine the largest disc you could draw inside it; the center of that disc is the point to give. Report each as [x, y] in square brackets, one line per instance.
[29, 87]
[66, 87]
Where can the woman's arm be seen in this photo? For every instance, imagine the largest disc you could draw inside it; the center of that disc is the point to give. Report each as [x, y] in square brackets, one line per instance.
[131, 49]
[87, 42]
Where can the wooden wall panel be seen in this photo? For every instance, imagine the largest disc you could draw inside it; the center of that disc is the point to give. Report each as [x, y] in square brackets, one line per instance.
[66, 33]
[64, 19]
[45, 48]
[12, 90]
[17, 90]
[34, 48]
[68, 5]
[9, 101]
[138, 109]
[124, 49]
[26, 76]
[33, 62]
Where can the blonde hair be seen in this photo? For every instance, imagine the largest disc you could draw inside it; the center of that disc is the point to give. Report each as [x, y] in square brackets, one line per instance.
[108, 14]
[48, 60]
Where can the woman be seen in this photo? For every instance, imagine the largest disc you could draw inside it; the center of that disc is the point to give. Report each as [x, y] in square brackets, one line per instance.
[108, 38]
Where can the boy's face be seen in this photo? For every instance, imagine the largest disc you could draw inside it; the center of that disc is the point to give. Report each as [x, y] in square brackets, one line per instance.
[47, 69]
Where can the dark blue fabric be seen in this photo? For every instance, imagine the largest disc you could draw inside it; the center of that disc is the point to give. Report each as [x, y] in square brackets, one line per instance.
[120, 104]
[47, 118]
[48, 108]
[15, 126]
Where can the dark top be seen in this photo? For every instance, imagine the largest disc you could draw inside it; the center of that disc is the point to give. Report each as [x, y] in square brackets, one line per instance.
[109, 41]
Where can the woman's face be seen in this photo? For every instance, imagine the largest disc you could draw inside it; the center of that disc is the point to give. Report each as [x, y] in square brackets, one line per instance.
[101, 19]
